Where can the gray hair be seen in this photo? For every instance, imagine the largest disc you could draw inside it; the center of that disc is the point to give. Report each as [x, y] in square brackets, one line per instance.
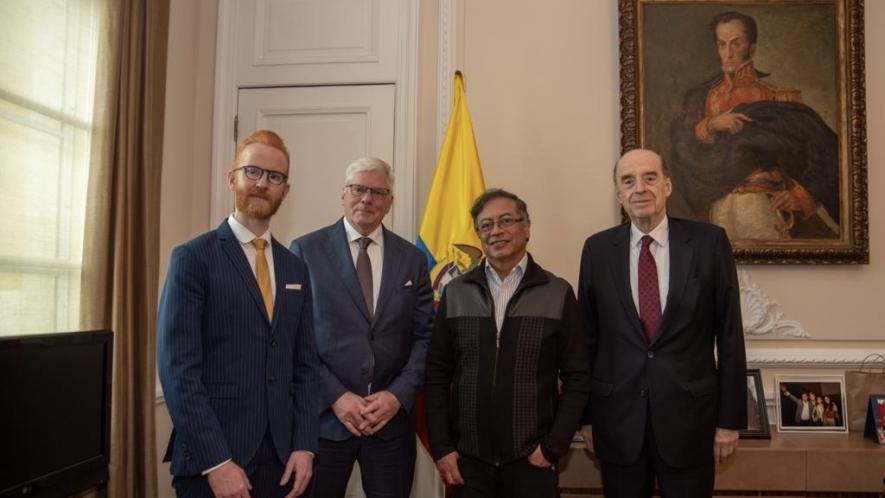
[368, 164]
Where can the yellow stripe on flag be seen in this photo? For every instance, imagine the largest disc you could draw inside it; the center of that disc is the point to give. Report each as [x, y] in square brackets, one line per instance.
[447, 232]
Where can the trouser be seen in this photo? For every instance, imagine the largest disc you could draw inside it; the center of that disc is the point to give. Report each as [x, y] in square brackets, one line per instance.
[264, 472]
[637, 479]
[518, 479]
[386, 466]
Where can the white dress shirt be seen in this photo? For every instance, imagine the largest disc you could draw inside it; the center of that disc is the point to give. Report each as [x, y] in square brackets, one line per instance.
[660, 251]
[245, 236]
[375, 251]
[503, 290]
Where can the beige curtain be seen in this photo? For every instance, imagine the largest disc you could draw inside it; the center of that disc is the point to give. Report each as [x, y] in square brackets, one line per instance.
[120, 262]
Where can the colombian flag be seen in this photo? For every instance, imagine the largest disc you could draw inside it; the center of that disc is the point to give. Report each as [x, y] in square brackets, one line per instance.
[447, 236]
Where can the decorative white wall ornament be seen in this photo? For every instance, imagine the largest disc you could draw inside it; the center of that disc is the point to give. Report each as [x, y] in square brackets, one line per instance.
[760, 313]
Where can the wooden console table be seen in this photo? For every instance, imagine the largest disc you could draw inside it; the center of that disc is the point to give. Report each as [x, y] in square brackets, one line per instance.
[787, 465]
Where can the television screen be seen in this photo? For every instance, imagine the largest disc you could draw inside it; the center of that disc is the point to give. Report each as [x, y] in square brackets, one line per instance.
[55, 419]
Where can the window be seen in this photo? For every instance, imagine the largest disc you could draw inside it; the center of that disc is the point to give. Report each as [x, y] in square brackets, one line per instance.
[48, 54]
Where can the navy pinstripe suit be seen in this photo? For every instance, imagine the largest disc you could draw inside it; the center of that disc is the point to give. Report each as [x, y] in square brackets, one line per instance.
[228, 374]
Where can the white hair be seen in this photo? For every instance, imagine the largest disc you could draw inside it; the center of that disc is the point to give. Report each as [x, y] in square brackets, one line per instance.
[368, 164]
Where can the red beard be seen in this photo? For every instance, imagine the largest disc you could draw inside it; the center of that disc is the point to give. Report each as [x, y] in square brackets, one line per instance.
[256, 205]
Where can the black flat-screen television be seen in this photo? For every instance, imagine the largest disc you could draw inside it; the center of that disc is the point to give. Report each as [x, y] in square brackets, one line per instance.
[55, 413]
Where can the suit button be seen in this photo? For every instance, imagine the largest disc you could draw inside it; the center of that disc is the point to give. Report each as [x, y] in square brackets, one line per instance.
[643, 392]
[270, 379]
[364, 371]
[651, 354]
[273, 343]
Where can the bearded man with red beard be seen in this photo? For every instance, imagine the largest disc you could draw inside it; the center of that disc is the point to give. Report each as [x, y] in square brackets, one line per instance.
[235, 345]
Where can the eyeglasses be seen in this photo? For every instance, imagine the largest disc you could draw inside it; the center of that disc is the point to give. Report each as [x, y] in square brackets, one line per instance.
[361, 190]
[487, 226]
[255, 173]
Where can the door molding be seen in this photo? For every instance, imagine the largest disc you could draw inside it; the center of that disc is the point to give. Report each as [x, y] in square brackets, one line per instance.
[405, 147]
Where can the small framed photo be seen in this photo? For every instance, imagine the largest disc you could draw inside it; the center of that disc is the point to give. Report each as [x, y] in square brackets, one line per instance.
[875, 422]
[810, 403]
[757, 414]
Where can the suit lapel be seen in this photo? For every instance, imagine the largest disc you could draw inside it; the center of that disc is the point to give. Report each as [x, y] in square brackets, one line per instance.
[389, 273]
[231, 246]
[280, 269]
[681, 255]
[620, 266]
[338, 252]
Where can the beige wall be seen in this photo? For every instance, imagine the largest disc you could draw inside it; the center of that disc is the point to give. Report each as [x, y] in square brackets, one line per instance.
[542, 82]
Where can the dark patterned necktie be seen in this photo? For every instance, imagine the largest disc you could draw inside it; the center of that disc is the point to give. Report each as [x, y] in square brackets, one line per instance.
[364, 272]
[649, 293]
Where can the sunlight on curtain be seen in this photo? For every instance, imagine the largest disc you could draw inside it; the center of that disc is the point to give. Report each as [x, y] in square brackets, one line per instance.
[48, 51]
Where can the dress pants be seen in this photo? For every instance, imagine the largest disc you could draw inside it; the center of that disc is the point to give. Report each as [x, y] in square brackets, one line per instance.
[637, 479]
[264, 472]
[386, 465]
[517, 479]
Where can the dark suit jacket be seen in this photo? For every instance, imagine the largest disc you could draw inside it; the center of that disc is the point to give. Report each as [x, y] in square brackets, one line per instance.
[227, 372]
[387, 351]
[675, 378]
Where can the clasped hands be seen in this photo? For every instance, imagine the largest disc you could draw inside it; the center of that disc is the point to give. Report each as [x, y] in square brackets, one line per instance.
[366, 416]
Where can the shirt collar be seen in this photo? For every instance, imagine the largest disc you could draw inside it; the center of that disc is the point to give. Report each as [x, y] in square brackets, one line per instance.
[660, 234]
[519, 267]
[377, 235]
[243, 234]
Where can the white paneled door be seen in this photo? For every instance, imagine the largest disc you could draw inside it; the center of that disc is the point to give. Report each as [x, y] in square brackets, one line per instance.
[325, 128]
[317, 41]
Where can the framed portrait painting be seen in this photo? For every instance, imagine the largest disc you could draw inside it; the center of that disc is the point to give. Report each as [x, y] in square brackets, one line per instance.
[809, 403]
[758, 110]
[757, 414]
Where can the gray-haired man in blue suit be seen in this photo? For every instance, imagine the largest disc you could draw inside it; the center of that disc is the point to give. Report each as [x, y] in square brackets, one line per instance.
[235, 346]
[373, 307]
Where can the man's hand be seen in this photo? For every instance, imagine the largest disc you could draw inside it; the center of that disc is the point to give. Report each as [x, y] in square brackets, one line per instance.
[724, 443]
[348, 408]
[301, 464]
[732, 122]
[537, 458]
[587, 434]
[229, 481]
[448, 469]
[380, 407]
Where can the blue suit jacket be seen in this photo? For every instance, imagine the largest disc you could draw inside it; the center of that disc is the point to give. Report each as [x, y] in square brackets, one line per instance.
[227, 372]
[388, 351]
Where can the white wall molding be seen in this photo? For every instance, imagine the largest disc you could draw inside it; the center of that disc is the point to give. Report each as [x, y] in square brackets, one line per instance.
[805, 358]
[446, 64]
[405, 131]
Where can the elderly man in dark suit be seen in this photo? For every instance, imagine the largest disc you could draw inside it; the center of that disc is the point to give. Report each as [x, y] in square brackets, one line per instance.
[662, 306]
[235, 346]
[373, 306]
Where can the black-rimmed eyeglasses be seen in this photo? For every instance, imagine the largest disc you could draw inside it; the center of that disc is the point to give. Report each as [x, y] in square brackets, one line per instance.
[488, 225]
[255, 173]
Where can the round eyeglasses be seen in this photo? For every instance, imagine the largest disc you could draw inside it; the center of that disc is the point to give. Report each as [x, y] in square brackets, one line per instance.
[255, 173]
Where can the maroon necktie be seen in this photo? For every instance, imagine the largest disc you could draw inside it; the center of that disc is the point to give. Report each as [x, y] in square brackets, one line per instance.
[364, 273]
[649, 293]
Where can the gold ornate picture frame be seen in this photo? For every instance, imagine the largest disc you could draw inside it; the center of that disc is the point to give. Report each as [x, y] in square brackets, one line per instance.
[768, 138]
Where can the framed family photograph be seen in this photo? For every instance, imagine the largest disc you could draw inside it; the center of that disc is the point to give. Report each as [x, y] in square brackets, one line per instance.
[808, 403]
[758, 110]
[757, 414]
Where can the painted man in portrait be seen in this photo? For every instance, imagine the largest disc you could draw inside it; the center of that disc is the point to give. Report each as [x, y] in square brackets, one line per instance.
[750, 155]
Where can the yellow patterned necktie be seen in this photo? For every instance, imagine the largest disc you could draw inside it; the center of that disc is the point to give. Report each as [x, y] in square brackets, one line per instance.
[262, 273]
